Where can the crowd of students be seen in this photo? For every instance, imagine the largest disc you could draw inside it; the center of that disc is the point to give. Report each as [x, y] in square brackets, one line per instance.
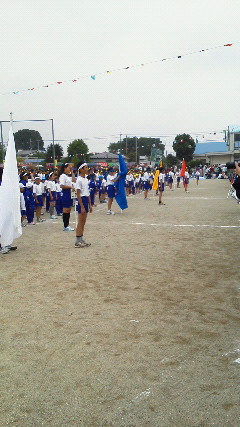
[56, 191]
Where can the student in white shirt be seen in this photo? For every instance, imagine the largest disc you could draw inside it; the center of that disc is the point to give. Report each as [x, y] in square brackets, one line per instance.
[161, 178]
[83, 205]
[146, 182]
[37, 192]
[186, 181]
[51, 186]
[197, 175]
[170, 179]
[111, 179]
[66, 184]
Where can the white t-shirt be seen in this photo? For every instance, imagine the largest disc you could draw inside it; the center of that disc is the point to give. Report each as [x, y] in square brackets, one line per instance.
[43, 187]
[65, 180]
[145, 176]
[186, 174]
[129, 177]
[58, 188]
[51, 185]
[161, 177]
[37, 189]
[82, 185]
[110, 179]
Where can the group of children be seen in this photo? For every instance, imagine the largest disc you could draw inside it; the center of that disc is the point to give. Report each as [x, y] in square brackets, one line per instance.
[56, 191]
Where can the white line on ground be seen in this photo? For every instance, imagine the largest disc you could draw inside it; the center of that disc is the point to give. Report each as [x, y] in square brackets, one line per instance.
[187, 225]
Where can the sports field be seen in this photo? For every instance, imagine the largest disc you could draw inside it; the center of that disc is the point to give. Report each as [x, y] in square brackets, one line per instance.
[140, 329]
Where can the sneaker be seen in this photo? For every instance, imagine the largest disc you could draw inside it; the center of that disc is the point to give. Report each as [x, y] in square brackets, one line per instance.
[85, 243]
[41, 220]
[53, 217]
[68, 228]
[59, 214]
[109, 212]
[31, 223]
[4, 250]
[23, 224]
[80, 245]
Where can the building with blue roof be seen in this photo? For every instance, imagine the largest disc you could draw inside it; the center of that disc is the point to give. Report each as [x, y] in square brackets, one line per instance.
[213, 152]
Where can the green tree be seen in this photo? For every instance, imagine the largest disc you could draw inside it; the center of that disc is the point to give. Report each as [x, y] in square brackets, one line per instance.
[49, 153]
[77, 150]
[26, 139]
[128, 147]
[184, 147]
[2, 154]
[170, 161]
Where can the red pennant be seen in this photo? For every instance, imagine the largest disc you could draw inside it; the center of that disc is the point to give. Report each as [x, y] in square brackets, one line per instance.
[184, 168]
[74, 81]
[59, 83]
[228, 44]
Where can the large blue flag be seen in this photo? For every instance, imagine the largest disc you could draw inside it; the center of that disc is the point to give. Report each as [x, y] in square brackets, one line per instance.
[121, 198]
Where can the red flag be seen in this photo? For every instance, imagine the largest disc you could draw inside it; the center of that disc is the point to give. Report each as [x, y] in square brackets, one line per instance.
[228, 44]
[184, 168]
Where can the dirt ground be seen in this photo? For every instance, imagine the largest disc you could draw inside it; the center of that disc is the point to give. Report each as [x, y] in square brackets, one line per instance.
[140, 329]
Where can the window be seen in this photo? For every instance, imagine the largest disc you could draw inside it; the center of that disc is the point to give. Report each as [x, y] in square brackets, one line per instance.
[236, 141]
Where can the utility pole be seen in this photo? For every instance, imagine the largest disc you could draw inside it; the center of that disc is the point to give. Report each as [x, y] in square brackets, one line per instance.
[136, 149]
[2, 142]
[126, 145]
[53, 143]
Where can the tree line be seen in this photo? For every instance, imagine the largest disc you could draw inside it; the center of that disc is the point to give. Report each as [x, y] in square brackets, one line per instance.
[132, 147]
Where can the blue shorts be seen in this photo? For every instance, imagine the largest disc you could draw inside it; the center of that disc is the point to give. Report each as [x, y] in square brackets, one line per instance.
[146, 185]
[40, 202]
[186, 180]
[111, 191]
[66, 198]
[85, 201]
[53, 197]
[129, 184]
[178, 179]
[170, 180]
[23, 212]
[161, 187]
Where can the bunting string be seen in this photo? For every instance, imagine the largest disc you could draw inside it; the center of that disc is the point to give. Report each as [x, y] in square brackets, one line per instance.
[94, 76]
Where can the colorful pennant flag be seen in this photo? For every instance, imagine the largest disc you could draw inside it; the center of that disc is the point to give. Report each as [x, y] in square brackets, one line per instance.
[93, 76]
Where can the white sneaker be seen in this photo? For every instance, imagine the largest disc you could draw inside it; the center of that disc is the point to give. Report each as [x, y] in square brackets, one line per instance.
[68, 228]
[53, 217]
[80, 245]
[109, 212]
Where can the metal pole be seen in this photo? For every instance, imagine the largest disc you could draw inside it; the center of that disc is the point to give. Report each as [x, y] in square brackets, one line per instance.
[136, 149]
[53, 143]
[2, 142]
[126, 145]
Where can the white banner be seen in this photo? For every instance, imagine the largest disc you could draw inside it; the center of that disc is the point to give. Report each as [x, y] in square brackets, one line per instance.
[10, 216]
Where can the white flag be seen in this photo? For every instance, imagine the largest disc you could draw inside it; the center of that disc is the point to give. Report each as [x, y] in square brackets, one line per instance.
[10, 216]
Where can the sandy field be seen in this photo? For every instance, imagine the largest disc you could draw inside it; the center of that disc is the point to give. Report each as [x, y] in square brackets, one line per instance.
[140, 329]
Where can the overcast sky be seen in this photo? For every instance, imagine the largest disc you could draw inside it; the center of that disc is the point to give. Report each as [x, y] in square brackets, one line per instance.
[46, 41]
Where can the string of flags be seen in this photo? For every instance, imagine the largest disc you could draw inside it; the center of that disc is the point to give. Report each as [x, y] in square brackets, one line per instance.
[94, 76]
